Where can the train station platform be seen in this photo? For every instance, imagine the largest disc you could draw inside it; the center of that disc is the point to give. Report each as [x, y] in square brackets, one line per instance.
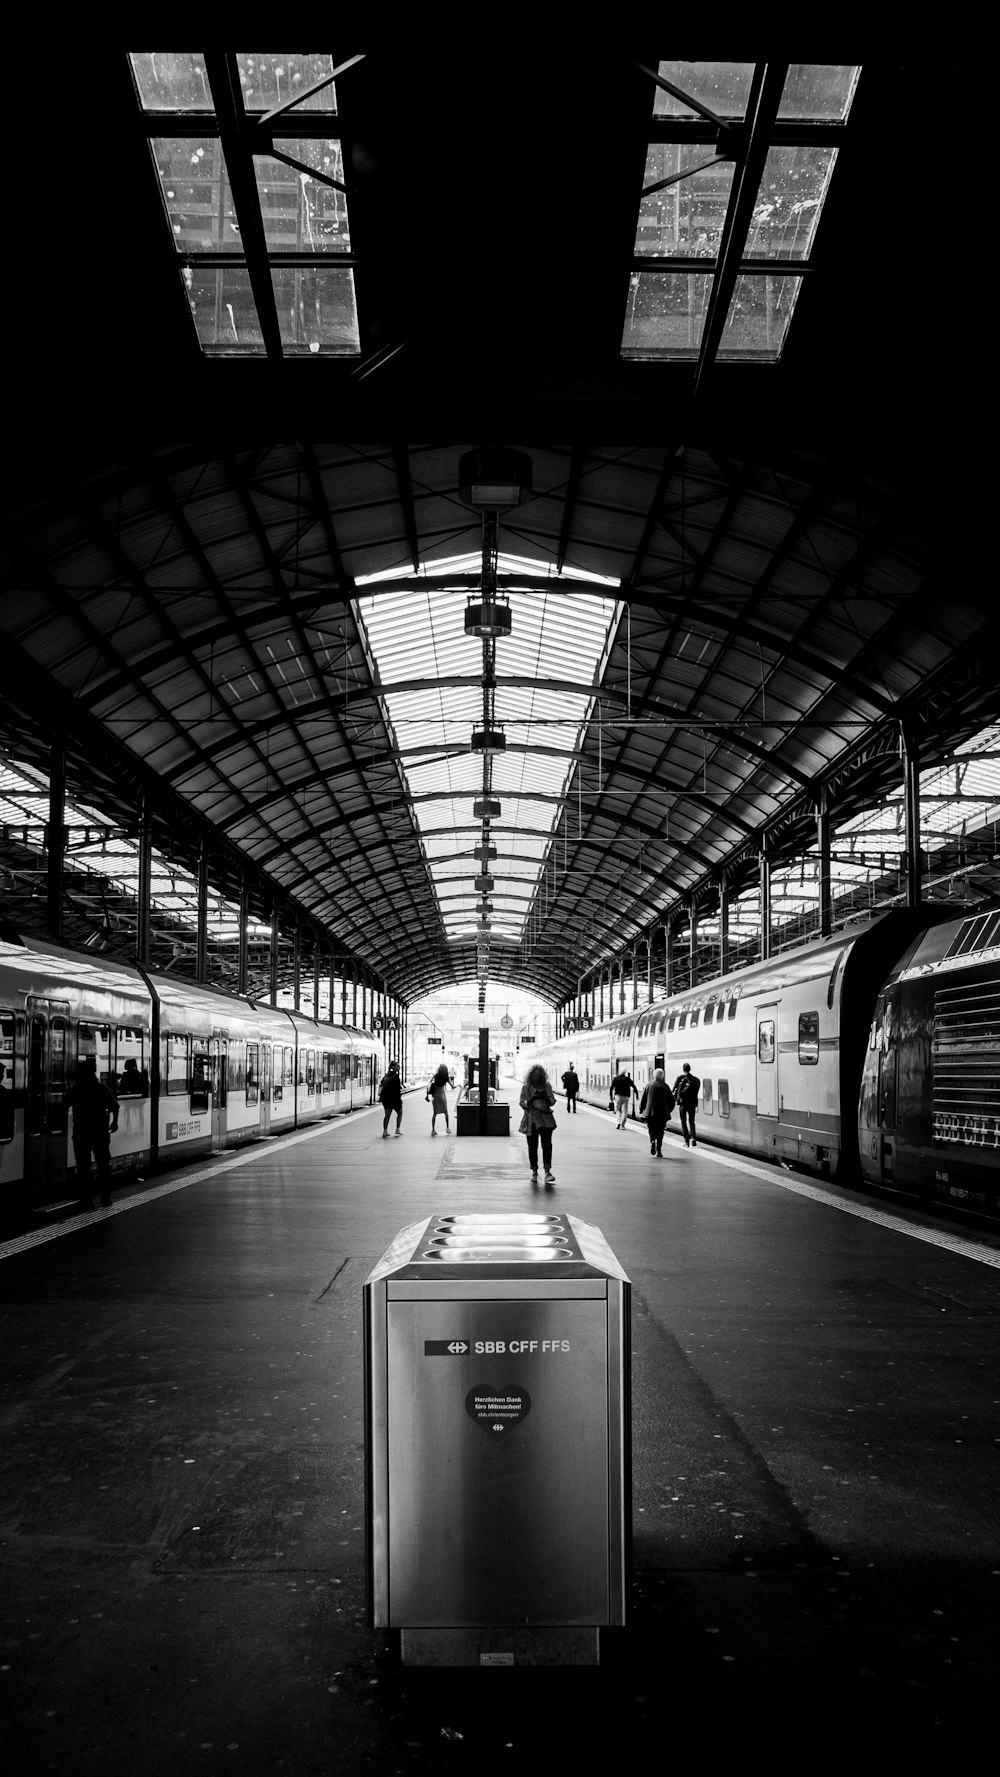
[815, 1470]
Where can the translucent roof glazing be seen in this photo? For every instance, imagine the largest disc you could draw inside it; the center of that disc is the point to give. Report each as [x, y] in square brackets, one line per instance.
[430, 676]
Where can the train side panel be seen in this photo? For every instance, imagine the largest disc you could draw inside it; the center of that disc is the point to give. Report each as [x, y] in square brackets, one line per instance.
[930, 1103]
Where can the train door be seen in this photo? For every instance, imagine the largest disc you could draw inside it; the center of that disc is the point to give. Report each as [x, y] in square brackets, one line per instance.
[266, 1086]
[767, 1061]
[218, 1071]
[45, 1108]
[888, 1082]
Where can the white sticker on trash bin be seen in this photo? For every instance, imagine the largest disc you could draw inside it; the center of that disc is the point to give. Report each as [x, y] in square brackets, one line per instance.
[498, 1410]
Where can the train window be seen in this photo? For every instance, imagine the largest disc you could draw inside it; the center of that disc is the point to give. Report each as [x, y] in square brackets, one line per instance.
[253, 1073]
[288, 1067]
[130, 1059]
[36, 1076]
[765, 1040]
[671, 1021]
[98, 1041]
[723, 1098]
[6, 1076]
[808, 1038]
[694, 1018]
[177, 1065]
[706, 1098]
[682, 1021]
[734, 1002]
[311, 1072]
[199, 1074]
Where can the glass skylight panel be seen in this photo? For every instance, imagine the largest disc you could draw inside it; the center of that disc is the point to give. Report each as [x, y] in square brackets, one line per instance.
[224, 311]
[267, 81]
[303, 214]
[686, 216]
[819, 92]
[317, 311]
[172, 80]
[722, 87]
[792, 189]
[666, 312]
[759, 317]
[196, 193]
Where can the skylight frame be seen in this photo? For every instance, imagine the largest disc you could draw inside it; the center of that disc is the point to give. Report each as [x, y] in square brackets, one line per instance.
[255, 300]
[657, 280]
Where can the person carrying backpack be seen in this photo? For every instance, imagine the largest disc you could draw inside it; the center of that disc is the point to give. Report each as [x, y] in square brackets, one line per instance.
[686, 1089]
[655, 1107]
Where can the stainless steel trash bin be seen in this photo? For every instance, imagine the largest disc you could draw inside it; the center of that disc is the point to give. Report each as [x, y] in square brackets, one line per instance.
[497, 1440]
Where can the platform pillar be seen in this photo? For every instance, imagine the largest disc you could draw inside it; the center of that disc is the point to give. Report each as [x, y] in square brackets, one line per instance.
[55, 839]
[911, 813]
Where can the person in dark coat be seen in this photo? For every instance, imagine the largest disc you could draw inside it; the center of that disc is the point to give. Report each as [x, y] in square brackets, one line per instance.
[571, 1086]
[391, 1098]
[92, 1104]
[656, 1104]
[686, 1089]
[622, 1088]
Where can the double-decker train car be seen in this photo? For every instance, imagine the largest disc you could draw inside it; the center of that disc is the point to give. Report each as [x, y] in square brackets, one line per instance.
[780, 1049]
[194, 1069]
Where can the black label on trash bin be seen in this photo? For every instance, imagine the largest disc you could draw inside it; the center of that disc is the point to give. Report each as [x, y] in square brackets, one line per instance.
[498, 1409]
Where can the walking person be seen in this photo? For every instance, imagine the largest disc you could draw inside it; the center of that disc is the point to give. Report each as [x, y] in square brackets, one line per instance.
[622, 1088]
[391, 1098]
[655, 1106]
[686, 1089]
[92, 1104]
[536, 1101]
[437, 1092]
[571, 1086]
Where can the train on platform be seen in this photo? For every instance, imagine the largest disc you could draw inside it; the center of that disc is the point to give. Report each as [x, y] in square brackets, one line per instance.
[871, 1057]
[195, 1070]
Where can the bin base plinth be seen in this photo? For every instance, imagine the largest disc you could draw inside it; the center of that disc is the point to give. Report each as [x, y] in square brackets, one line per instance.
[503, 1645]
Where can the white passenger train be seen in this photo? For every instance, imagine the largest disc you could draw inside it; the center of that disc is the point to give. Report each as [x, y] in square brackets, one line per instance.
[874, 1054]
[195, 1070]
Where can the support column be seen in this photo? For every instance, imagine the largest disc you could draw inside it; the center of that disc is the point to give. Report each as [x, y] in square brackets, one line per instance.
[635, 982]
[297, 969]
[354, 993]
[331, 1010]
[649, 971]
[723, 923]
[765, 904]
[315, 981]
[145, 886]
[823, 848]
[241, 954]
[201, 938]
[55, 839]
[911, 813]
[621, 984]
[343, 992]
[273, 954]
[692, 942]
[668, 959]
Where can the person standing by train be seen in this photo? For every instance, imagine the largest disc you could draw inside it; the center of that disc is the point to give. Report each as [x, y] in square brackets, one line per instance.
[391, 1098]
[686, 1089]
[571, 1086]
[92, 1103]
[622, 1088]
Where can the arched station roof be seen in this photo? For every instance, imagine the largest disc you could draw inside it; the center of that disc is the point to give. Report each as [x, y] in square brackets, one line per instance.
[732, 606]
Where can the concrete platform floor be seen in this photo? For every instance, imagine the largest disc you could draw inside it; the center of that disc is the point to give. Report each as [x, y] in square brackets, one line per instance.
[816, 1547]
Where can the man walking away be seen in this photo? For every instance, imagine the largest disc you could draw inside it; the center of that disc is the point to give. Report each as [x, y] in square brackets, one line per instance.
[622, 1088]
[92, 1104]
[571, 1086]
[655, 1106]
[686, 1089]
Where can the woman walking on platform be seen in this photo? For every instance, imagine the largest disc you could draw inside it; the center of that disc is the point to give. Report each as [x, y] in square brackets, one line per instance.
[537, 1099]
[437, 1092]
